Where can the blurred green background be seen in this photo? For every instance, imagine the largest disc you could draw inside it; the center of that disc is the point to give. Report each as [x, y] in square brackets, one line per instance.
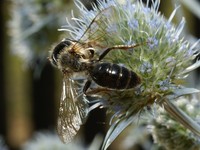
[30, 87]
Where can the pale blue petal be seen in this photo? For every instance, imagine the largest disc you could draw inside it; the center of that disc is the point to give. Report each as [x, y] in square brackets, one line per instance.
[116, 128]
[191, 68]
[181, 92]
[172, 14]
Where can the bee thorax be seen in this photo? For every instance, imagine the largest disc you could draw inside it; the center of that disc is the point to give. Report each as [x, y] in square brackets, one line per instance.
[67, 61]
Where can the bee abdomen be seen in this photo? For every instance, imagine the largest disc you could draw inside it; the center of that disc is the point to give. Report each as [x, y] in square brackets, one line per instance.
[114, 76]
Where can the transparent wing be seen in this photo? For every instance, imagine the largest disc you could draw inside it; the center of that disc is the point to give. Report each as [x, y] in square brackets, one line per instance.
[72, 112]
[97, 31]
[100, 29]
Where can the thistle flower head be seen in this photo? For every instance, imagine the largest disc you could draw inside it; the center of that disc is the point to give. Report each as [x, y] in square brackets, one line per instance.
[2, 144]
[168, 133]
[47, 141]
[50, 141]
[162, 58]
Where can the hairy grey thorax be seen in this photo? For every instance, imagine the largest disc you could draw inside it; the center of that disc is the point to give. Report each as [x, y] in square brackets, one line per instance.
[72, 62]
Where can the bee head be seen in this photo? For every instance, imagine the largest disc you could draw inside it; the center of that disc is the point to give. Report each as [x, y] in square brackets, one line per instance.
[58, 49]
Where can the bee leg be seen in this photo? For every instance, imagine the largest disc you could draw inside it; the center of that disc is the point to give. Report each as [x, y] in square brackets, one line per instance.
[120, 47]
[86, 86]
[104, 53]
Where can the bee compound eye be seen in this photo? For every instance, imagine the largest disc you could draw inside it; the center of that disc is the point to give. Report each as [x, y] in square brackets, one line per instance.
[66, 42]
[58, 49]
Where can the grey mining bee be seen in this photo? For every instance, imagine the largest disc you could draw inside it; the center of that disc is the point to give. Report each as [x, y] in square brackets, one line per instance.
[71, 56]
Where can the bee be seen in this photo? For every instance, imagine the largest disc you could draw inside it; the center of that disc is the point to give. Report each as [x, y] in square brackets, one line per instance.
[80, 56]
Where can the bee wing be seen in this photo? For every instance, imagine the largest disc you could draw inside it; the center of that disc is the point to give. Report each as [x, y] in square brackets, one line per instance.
[72, 111]
[94, 30]
[98, 29]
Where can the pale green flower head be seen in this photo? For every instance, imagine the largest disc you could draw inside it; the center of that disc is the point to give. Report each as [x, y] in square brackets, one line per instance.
[162, 58]
[47, 141]
[170, 134]
[50, 141]
[2, 144]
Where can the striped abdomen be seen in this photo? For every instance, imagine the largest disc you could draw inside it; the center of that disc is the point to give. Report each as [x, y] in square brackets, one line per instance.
[114, 76]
